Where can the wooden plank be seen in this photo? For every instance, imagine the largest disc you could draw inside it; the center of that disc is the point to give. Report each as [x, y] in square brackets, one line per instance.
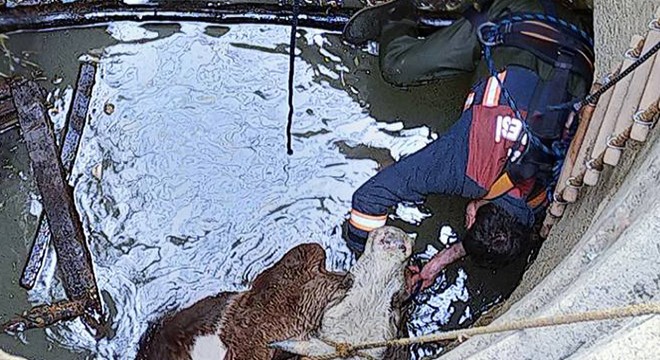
[557, 209]
[574, 182]
[73, 257]
[73, 131]
[45, 315]
[80, 13]
[8, 117]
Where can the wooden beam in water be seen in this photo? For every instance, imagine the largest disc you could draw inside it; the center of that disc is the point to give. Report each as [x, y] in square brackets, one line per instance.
[81, 13]
[45, 315]
[74, 127]
[73, 257]
[8, 117]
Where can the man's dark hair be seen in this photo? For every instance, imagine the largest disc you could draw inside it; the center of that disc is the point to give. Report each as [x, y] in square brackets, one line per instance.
[496, 238]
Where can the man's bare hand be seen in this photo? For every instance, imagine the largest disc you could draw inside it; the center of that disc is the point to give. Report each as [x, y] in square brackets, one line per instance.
[429, 273]
[416, 277]
[412, 278]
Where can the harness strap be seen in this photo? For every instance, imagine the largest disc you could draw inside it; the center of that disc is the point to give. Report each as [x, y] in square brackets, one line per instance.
[538, 37]
[501, 186]
[548, 124]
[537, 200]
[554, 42]
[546, 41]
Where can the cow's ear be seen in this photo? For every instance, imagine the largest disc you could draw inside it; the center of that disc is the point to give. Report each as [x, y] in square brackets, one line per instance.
[348, 281]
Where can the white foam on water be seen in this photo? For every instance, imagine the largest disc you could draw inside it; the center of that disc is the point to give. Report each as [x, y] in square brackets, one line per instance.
[409, 213]
[35, 205]
[130, 32]
[448, 236]
[198, 195]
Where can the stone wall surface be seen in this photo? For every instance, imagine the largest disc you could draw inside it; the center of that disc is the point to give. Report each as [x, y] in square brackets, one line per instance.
[615, 22]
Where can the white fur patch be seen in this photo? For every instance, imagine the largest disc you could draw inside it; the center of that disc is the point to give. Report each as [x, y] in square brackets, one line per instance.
[208, 347]
[447, 235]
[428, 253]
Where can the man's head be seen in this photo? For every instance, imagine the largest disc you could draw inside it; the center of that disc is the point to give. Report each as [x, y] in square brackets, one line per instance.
[496, 237]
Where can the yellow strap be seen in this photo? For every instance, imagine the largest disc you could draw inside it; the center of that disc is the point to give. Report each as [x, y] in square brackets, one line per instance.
[537, 200]
[502, 185]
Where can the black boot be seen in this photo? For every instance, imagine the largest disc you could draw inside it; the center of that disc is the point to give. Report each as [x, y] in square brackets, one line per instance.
[366, 24]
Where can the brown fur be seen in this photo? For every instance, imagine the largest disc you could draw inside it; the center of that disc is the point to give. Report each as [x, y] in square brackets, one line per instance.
[287, 300]
[172, 338]
[370, 309]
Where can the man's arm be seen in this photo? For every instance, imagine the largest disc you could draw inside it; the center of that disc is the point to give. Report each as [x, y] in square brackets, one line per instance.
[432, 269]
[438, 168]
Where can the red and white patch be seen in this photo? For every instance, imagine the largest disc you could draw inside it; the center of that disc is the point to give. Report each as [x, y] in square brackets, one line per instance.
[469, 101]
[508, 128]
[493, 90]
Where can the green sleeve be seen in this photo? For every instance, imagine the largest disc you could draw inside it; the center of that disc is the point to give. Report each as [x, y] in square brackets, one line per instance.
[406, 59]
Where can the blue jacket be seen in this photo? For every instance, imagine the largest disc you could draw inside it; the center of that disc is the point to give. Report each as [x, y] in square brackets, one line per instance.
[465, 161]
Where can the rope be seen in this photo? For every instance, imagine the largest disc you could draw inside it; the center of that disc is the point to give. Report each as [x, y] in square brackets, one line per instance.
[292, 59]
[348, 350]
[593, 97]
[646, 116]
[557, 151]
[597, 163]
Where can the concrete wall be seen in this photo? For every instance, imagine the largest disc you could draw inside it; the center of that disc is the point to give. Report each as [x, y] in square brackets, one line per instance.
[604, 252]
[615, 22]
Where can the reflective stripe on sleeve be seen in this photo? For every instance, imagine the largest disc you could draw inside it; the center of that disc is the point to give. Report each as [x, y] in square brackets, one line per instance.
[367, 222]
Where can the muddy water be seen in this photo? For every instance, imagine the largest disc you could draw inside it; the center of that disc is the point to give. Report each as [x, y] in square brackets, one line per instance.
[184, 185]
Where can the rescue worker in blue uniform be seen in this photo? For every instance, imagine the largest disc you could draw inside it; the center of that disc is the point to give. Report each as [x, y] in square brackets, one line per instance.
[531, 59]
